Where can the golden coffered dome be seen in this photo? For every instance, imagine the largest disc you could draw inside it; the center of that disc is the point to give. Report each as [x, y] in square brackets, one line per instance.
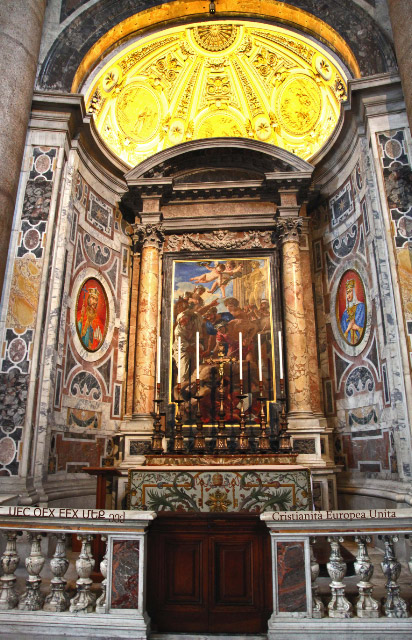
[237, 79]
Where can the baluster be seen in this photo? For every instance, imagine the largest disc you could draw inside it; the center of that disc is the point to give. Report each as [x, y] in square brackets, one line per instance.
[339, 606]
[101, 601]
[318, 608]
[32, 598]
[84, 600]
[393, 605]
[9, 562]
[366, 606]
[58, 599]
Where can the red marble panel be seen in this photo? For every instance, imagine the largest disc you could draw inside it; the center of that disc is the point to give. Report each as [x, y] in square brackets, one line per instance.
[73, 453]
[125, 574]
[366, 449]
[290, 559]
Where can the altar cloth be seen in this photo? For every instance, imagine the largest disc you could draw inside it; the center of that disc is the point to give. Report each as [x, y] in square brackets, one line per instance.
[220, 489]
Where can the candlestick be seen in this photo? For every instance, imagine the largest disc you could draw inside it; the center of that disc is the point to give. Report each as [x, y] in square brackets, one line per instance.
[159, 343]
[197, 355]
[179, 349]
[240, 356]
[280, 355]
[260, 358]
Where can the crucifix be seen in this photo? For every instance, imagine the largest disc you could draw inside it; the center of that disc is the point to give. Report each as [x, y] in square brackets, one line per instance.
[221, 360]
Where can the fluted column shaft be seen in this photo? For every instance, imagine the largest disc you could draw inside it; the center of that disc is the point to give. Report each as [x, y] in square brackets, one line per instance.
[144, 381]
[400, 12]
[295, 323]
[20, 35]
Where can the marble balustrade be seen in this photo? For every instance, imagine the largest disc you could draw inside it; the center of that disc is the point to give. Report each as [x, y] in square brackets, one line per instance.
[73, 588]
[73, 600]
[347, 605]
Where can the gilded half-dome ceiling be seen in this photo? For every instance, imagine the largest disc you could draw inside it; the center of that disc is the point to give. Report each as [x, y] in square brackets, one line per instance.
[217, 79]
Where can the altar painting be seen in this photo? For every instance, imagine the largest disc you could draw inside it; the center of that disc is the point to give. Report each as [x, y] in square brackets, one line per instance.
[219, 299]
[351, 307]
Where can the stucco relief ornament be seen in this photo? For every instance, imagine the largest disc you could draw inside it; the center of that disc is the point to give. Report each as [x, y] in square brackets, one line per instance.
[215, 37]
[288, 230]
[220, 239]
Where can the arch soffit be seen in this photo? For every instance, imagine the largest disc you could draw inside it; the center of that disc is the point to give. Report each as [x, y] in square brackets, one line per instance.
[192, 154]
[92, 34]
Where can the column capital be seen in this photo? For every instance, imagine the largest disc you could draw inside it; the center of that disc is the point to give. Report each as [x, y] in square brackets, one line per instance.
[288, 229]
[149, 235]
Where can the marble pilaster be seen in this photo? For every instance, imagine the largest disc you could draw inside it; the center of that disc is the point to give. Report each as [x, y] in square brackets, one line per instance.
[288, 230]
[134, 299]
[144, 380]
[311, 339]
[21, 28]
[400, 13]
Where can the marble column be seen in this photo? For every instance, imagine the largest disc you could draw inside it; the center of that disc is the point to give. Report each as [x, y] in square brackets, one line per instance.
[288, 231]
[20, 34]
[144, 380]
[400, 12]
[134, 300]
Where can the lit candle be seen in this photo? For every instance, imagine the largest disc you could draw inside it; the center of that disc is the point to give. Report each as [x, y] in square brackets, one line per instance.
[159, 342]
[197, 355]
[260, 358]
[179, 349]
[240, 355]
[280, 355]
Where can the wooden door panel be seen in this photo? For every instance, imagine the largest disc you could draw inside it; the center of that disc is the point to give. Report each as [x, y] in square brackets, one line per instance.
[209, 574]
[233, 572]
[183, 559]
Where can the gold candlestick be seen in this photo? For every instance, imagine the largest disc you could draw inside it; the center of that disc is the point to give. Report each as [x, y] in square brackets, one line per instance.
[284, 438]
[199, 445]
[178, 444]
[243, 441]
[157, 438]
[263, 440]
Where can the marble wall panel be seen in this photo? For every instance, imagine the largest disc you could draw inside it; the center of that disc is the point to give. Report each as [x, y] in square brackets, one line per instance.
[363, 397]
[98, 246]
[290, 559]
[125, 574]
[23, 302]
[72, 451]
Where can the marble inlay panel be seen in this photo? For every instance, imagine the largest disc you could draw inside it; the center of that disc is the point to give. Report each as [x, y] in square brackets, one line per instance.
[290, 558]
[125, 574]
[220, 491]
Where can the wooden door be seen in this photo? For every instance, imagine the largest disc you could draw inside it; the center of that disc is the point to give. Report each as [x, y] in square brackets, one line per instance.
[209, 574]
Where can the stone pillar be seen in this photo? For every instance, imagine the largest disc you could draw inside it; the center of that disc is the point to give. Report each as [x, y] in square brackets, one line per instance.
[311, 338]
[400, 12]
[288, 230]
[144, 381]
[134, 299]
[20, 34]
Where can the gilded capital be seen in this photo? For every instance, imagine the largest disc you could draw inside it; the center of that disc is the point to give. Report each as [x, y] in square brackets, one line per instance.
[288, 230]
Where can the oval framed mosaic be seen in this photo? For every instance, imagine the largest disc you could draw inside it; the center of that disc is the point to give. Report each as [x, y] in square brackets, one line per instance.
[92, 314]
[351, 308]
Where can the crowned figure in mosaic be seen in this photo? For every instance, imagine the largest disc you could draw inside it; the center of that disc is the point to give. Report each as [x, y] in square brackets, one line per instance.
[90, 326]
[353, 318]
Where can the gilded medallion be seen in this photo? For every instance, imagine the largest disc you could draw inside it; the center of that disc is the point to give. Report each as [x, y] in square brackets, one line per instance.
[215, 37]
[298, 104]
[220, 125]
[138, 112]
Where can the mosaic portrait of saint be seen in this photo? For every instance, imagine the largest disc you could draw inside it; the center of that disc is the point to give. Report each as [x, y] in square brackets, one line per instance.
[92, 314]
[220, 299]
[351, 307]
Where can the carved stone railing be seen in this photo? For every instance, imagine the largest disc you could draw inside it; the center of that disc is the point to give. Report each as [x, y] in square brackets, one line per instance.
[347, 607]
[113, 608]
